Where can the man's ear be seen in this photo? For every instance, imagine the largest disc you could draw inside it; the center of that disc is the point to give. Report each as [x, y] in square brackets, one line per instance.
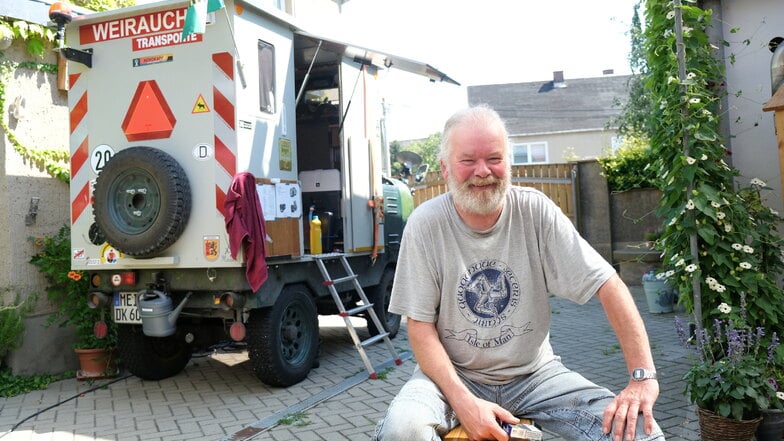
[444, 171]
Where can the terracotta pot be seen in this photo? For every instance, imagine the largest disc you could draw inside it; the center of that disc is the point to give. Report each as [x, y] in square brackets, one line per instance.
[718, 428]
[96, 363]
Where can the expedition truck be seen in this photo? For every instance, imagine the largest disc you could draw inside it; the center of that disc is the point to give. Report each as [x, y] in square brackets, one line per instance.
[162, 126]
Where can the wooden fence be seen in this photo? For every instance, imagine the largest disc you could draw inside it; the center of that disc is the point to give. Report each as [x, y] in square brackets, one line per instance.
[557, 181]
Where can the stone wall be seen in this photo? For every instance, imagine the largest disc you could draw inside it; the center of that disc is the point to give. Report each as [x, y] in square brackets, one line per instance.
[633, 215]
[36, 113]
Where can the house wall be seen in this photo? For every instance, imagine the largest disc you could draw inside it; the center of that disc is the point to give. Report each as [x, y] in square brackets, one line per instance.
[752, 136]
[39, 120]
[564, 147]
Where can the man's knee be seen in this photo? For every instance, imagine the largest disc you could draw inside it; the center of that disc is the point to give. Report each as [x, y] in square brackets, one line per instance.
[408, 420]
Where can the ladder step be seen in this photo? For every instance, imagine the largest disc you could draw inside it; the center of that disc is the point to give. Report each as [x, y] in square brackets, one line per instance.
[340, 280]
[355, 311]
[365, 306]
[374, 339]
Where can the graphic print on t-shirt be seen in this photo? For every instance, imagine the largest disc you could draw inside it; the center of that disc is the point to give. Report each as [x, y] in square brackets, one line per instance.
[487, 295]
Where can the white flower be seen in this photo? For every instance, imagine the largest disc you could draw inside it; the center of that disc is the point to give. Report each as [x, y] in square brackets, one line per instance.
[720, 288]
[672, 221]
[690, 205]
[691, 75]
[687, 30]
[715, 204]
[710, 281]
[727, 227]
[745, 265]
[670, 15]
[758, 182]
[748, 249]
[690, 160]
[780, 395]
[667, 33]
[694, 100]
[660, 276]
[725, 308]
[737, 246]
[691, 268]
[704, 157]
[669, 273]
[720, 215]
[680, 262]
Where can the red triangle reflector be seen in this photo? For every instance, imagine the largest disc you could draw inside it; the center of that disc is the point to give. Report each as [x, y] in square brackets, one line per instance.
[149, 116]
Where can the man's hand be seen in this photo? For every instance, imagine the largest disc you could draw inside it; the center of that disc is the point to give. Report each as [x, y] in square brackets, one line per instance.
[637, 398]
[480, 419]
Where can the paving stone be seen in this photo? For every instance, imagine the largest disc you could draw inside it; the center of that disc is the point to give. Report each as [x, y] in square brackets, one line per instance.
[218, 394]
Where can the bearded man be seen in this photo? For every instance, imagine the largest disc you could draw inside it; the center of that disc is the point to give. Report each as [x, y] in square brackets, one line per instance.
[479, 366]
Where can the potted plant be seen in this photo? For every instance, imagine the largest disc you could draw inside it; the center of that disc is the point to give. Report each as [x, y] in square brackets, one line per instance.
[730, 380]
[659, 292]
[67, 290]
[771, 427]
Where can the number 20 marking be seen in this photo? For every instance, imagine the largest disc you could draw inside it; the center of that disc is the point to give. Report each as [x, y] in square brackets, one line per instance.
[100, 156]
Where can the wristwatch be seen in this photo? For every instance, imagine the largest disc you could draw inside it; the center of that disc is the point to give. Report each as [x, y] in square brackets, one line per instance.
[640, 374]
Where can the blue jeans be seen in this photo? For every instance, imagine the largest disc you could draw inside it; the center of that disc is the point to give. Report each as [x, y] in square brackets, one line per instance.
[556, 398]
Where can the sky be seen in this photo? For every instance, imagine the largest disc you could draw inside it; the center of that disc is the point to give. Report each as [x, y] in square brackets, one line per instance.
[480, 42]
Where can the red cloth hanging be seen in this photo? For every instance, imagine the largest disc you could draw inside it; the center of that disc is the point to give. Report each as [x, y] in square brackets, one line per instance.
[245, 225]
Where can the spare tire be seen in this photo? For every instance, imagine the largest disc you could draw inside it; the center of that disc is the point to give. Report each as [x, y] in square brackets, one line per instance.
[142, 201]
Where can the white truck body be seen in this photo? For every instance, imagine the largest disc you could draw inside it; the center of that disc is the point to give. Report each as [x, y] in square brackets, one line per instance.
[162, 124]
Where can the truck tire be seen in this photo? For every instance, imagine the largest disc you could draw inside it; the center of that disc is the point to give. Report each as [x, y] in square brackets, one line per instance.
[142, 201]
[152, 358]
[283, 340]
[379, 296]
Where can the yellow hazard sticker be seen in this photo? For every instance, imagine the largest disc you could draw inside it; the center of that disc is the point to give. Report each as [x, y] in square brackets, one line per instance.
[200, 106]
[109, 254]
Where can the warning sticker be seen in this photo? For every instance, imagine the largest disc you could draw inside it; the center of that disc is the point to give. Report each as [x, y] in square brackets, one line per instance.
[109, 254]
[211, 247]
[153, 59]
[200, 106]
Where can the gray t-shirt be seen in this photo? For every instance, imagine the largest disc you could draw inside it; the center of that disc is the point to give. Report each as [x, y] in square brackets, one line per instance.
[487, 291]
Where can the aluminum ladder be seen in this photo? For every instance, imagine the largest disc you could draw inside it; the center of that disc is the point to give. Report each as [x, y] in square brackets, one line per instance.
[366, 307]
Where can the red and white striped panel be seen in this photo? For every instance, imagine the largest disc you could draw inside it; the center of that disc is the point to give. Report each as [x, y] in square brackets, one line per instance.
[224, 114]
[80, 155]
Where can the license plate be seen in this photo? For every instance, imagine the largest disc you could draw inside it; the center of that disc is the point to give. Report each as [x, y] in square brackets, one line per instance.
[125, 308]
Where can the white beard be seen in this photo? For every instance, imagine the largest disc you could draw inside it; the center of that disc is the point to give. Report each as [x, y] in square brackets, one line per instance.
[478, 202]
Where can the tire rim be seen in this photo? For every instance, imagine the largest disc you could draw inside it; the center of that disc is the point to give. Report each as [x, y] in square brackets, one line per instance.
[135, 200]
[295, 330]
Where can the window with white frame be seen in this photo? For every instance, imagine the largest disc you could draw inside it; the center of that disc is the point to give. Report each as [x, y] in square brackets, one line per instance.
[266, 77]
[529, 153]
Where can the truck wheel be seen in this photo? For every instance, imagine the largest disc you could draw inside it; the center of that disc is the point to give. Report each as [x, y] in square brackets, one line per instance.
[152, 358]
[379, 296]
[142, 201]
[283, 340]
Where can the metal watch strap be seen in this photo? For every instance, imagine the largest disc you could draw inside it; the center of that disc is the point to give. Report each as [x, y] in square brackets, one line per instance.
[641, 374]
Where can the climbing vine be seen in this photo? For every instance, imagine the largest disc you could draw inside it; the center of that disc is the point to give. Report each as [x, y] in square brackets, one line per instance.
[34, 35]
[53, 160]
[720, 242]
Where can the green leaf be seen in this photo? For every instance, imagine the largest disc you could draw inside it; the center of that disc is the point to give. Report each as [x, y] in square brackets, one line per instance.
[724, 409]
